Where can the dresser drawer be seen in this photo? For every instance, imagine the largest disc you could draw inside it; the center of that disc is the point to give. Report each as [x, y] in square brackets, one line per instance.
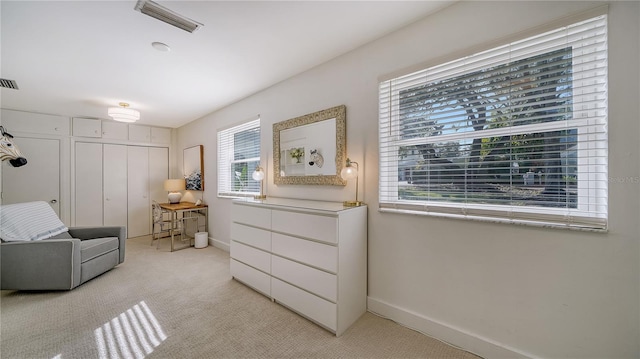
[252, 236]
[307, 304]
[313, 253]
[251, 277]
[316, 281]
[251, 256]
[320, 228]
[258, 217]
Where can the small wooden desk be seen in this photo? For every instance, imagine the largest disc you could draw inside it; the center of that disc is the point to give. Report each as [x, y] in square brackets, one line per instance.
[183, 208]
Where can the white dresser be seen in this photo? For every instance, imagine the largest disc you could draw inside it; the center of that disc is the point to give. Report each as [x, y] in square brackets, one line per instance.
[310, 256]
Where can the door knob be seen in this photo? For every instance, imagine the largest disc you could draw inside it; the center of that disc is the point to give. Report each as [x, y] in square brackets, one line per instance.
[53, 201]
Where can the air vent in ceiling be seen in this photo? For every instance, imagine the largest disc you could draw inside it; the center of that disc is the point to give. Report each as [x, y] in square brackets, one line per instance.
[161, 13]
[8, 84]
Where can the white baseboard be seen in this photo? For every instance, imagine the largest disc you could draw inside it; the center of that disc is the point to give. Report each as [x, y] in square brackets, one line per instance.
[219, 244]
[441, 331]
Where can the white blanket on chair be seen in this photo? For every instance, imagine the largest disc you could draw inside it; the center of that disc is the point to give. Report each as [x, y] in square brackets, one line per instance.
[29, 221]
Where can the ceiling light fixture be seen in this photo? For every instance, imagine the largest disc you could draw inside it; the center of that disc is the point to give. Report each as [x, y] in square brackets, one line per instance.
[124, 114]
[163, 14]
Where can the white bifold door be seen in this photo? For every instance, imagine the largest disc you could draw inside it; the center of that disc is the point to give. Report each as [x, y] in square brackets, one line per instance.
[115, 185]
[148, 167]
[88, 184]
[138, 198]
[100, 184]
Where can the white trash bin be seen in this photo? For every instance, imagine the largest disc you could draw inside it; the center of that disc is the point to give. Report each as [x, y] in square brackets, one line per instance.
[202, 239]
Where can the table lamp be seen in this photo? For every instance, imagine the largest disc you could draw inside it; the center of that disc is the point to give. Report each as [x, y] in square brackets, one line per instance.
[173, 186]
[349, 172]
[258, 175]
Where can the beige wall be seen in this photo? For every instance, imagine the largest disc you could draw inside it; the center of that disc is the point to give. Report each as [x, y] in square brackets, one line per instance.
[497, 290]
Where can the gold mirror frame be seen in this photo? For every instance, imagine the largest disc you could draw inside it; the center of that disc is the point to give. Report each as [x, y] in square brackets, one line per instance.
[339, 113]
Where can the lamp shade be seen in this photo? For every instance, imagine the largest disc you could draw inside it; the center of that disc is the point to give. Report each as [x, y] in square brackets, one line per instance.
[349, 172]
[173, 185]
[258, 174]
[123, 114]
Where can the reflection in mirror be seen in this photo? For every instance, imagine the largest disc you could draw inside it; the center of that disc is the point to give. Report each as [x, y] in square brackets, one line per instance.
[310, 149]
[303, 149]
[193, 168]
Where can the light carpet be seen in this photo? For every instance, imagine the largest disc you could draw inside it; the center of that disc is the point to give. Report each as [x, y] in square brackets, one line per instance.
[184, 304]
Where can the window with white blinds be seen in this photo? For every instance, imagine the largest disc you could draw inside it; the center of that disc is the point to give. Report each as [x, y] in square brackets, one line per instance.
[513, 134]
[238, 157]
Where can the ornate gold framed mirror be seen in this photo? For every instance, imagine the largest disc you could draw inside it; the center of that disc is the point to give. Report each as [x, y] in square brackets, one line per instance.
[311, 149]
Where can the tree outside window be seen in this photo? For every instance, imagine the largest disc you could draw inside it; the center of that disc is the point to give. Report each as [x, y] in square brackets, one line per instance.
[515, 166]
[516, 133]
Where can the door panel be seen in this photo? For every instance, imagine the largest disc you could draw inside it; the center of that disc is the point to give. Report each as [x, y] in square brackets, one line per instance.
[158, 172]
[39, 179]
[88, 168]
[115, 185]
[139, 205]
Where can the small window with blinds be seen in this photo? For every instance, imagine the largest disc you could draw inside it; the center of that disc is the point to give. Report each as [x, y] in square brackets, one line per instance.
[513, 134]
[238, 157]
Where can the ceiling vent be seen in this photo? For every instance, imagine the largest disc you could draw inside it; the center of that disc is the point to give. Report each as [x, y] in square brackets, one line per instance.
[161, 13]
[8, 84]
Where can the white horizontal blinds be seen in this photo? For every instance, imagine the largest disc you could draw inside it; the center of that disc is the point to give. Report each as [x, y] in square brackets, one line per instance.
[238, 157]
[516, 133]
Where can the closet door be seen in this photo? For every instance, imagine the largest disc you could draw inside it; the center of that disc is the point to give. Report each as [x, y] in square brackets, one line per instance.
[39, 180]
[88, 170]
[115, 185]
[158, 172]
[139, 205]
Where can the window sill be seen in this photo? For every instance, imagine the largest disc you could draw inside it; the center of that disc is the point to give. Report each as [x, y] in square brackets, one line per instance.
[478, 218]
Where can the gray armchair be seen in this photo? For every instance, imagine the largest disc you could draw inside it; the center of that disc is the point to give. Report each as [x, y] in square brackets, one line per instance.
[61, 262]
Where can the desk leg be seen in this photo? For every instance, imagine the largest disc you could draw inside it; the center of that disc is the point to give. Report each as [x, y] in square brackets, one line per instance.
[173, 229]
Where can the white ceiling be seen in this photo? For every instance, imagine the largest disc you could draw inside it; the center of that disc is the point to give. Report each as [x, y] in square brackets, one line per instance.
[77, 58]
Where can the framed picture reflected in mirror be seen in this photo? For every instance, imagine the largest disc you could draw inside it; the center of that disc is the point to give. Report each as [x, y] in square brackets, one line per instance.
[193, 168]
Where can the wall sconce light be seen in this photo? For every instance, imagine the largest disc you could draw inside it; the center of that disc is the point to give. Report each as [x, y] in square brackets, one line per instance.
[349, 172]
[123, 113]
[173, 186]
[258, 175]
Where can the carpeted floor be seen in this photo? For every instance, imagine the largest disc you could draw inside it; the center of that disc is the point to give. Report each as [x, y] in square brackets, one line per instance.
[184, 304]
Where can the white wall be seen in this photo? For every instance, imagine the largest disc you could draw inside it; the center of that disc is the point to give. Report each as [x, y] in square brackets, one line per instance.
[497, 290]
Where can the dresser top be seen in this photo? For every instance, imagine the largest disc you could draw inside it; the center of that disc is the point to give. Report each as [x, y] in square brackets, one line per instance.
[296, 204]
